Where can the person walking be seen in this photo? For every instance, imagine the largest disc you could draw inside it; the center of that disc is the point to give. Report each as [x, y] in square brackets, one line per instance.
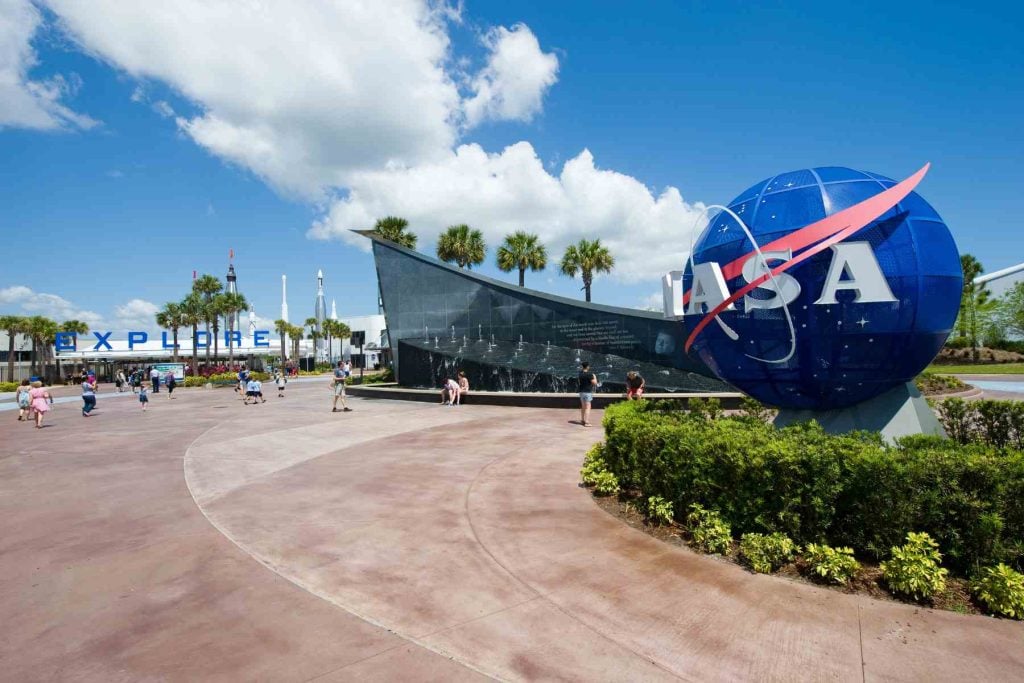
[88, 395]
[587, 382]
[119, 381]
[41, 402]
[170, 382]
[243, 381]
[339, 388]
[281, 380]
[143, 398]
[23, 396]
[154, 379]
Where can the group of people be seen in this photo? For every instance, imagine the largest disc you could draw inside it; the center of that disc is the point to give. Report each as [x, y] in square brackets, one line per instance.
[454, 389]
[34, 401]
[588, 382]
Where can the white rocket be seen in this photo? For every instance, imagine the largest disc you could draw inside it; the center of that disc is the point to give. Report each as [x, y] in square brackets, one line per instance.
[334, 309]
[284, 298]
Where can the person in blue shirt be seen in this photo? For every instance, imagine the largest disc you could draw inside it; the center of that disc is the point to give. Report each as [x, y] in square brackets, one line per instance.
[88, 395]
[143, 397]
[243, 380]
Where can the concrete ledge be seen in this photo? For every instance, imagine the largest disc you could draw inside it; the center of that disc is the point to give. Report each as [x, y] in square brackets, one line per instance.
[730, 400]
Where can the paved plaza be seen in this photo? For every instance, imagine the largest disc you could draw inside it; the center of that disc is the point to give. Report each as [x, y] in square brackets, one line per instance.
[207, 540]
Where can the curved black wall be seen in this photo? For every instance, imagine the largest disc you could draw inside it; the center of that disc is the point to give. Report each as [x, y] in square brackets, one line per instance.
[441, 319]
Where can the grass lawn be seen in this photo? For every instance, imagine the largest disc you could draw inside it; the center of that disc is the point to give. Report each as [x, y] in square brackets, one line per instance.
[979, 369]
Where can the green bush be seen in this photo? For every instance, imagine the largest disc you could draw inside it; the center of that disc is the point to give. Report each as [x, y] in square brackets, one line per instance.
[659, 510]
[8, 386]
[593, 465]
[708, 531]
[755, 410]
[835, 565]
[914, 567]
[930, 383]
[766, 553]
[1001, 589]
[605, 484]
[852, 490]
[996, 423]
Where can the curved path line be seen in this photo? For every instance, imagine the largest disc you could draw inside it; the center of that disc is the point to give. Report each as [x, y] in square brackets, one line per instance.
[463, 533]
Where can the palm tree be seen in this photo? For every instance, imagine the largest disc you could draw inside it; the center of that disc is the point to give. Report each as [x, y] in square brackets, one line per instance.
[281, 327]
[229, 305]
[314, 333]
[462, 245]
[170, 319]
[76, 327]
[335, 329]
[192, 315]
[522, 250]
[588, 258]
[207, 286]
[40, 330]
[295, 333]
[393, 229]
[13, 325]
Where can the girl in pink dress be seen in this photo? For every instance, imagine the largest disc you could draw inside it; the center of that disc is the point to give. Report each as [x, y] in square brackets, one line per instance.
[41, 401]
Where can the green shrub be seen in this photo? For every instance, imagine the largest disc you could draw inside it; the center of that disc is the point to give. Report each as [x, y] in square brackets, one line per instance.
[708, 531]
[914, 567]
[593, 464]
[852, 489]
[755, 410]
[997, 423]
[705, 408]
[8, 386]
[766, 553]
[956, 417]
[1001, 589]
[605, 483]
[835, 565]
[930, 383]
[659, 510]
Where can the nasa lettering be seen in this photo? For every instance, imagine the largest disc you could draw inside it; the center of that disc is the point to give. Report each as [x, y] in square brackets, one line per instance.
[821, 288]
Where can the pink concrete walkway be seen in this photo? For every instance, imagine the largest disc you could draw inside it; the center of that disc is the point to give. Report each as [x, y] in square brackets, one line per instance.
[399, 541]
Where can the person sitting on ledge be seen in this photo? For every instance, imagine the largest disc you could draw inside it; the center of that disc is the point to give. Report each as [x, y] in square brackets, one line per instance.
[634, 385]
[463, 386]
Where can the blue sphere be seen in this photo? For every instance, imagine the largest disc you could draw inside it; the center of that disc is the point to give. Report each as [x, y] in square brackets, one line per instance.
[841, 349]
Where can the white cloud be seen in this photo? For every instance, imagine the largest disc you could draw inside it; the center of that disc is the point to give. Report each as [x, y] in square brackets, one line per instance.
[517, 75]
[27, 103]
[500, 193]
[301, 93]
[165, 110]
[136, 314]
[21, 300]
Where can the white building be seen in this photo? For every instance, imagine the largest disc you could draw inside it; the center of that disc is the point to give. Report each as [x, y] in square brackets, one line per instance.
[375, 330]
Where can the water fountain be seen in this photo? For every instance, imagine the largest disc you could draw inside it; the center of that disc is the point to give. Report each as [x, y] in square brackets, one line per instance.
[480, 333]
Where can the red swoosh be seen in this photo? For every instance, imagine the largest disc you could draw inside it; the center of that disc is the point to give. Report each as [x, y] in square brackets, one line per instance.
[835, 228]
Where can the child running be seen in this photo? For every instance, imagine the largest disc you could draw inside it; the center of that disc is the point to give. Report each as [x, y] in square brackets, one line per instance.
[143, 397]
[281, 381]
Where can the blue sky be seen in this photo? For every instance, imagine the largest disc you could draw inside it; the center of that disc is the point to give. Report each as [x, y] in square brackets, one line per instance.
[158, 143]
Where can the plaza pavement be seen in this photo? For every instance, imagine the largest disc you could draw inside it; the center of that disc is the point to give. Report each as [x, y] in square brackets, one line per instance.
[206, 540]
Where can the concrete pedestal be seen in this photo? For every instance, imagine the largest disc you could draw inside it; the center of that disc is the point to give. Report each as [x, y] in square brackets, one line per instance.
[898, 412]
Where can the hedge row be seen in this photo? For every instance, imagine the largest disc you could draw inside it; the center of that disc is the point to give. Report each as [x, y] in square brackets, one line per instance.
[850, 490]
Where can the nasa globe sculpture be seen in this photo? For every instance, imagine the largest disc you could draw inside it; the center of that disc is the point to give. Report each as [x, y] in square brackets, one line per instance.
[822, 288]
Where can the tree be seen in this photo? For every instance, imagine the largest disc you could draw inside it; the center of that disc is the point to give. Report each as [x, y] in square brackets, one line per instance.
[170, 318]
[13, 325]
[75, 327]
[314, 333]
[335, 329]
[281, 327]
[295, 333]
[40, 330]
[207, 286]
[1010, 310]
[462, 245]
[192, 315]
[587, 258]
[393, 229]
[522, 250]
[973, 299]
[229, 305]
